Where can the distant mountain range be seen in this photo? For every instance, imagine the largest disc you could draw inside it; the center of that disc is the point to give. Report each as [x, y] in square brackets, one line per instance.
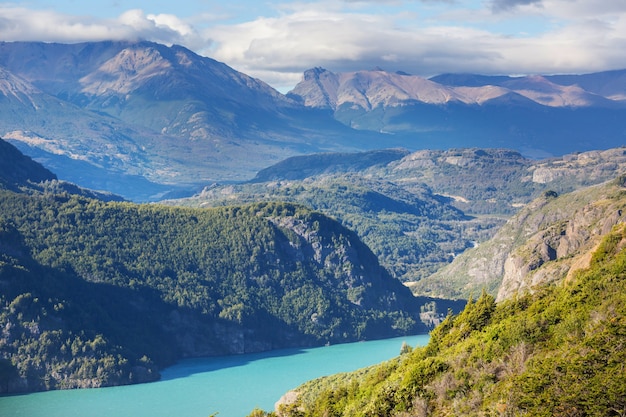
[370, 89]
[537, 115]
[143, 120]
[128, 114]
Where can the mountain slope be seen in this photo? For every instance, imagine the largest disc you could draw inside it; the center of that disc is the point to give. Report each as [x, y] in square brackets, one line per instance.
[413, 233]
[19, 170]
[545, 241]
[99, 293]
[419, 212]
[534, 114]
[557, 352]
[144, 109]
[206, 282]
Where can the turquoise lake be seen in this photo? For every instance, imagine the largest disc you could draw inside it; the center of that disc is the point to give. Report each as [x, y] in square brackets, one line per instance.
[231, 386]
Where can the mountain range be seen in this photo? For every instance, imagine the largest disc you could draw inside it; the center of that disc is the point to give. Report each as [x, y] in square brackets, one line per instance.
[146, 121]
[442, 221]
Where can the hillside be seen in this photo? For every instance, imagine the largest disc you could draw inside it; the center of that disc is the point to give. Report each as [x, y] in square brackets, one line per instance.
[22, 174]
[17, 170]
[545, 241]
[420, 211]
[98, 293]
[556, 352]
[412, 233]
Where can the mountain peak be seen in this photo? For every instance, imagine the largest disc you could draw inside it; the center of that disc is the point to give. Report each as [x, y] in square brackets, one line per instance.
[313, 73]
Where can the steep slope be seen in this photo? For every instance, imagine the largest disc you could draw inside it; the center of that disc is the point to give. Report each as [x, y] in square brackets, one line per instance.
[321, 88]
[542, 243]
[558, 352]
[407, 210]
[86, 148]
[99, 293]
[20, 173]
[301, 167]
[413, 233]
[17, 170]
[204, 282]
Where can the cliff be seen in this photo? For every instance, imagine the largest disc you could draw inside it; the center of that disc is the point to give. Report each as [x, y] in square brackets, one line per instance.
[542, 243]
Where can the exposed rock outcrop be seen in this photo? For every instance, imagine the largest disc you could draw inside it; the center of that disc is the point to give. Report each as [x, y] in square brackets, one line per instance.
[541, 244]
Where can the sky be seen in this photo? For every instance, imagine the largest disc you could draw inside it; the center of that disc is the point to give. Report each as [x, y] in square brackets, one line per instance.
[277, 40]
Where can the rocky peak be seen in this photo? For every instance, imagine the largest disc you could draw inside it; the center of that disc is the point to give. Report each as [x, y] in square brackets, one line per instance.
[11, 85]
[125, 71]
[314, 73]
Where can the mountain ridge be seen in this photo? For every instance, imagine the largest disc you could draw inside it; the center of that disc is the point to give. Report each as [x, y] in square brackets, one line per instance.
[144, 109]
[142, 119]
[321, 88]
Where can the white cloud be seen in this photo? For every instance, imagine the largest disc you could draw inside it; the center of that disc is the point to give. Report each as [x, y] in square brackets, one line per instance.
[579, 36]
[18, 23]
[551, 36]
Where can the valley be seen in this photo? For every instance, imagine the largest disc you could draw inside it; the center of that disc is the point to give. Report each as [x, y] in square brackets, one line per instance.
[157, 205]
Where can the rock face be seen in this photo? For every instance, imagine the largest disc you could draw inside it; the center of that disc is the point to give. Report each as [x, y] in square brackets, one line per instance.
[544, 242]
[563, 241]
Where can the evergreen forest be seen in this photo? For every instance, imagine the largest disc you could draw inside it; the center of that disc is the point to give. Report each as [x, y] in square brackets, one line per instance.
[101, 293]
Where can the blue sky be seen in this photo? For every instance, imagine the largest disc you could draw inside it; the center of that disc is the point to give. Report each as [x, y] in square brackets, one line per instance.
[277, 40]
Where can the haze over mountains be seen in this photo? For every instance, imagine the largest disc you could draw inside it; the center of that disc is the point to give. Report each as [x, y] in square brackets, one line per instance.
[142, 119]
[144, 109]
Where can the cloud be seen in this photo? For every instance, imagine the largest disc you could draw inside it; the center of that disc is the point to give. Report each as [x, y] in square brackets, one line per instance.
[550, 36]
[18, 23]
[507, 5]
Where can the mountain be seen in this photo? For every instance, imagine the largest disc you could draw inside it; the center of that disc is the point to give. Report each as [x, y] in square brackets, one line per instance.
[160, 118]
[608, 84]
[19, 173]
[533, 114]
[148, 121]
[98, 293]
[558, 351]
[413, 233]
[18, 170]
[301, 167]
[548, 239]
[420, 212]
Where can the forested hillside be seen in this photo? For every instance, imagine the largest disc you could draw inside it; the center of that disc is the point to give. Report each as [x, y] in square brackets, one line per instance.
[556, 352]
[20, 173]
[412, 233]
[98, 293]
[420, 211]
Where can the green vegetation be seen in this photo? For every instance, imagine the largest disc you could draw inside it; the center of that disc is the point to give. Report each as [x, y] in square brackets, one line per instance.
[102, 293]
[419, 212]
[412, 233]
[557, 352]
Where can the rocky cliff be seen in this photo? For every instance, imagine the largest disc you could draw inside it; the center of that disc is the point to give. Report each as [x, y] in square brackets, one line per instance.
[544, 242]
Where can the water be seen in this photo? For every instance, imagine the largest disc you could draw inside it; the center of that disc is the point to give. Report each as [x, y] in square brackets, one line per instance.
[231, 386]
